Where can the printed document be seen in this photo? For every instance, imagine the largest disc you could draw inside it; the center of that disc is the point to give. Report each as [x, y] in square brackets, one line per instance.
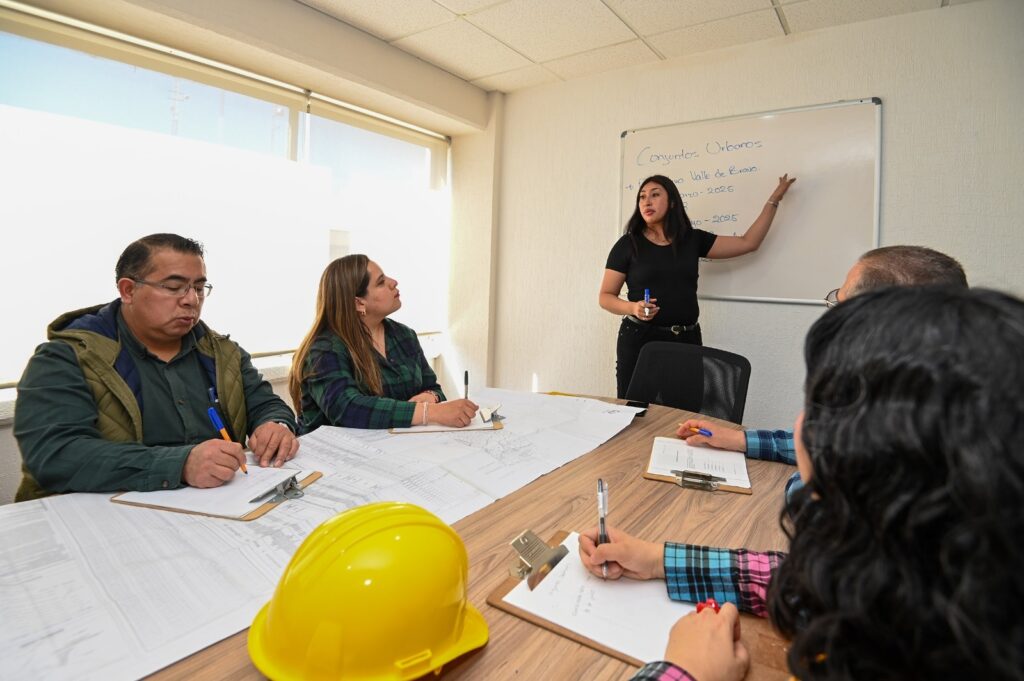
[672, 454]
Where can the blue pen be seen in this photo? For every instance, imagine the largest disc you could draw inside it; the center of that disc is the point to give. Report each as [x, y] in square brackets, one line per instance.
[701, 431]
[218, 425]
[647, 301]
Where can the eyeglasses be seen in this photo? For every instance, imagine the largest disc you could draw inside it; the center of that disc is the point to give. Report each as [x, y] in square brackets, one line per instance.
[178, 289]
[832, 298]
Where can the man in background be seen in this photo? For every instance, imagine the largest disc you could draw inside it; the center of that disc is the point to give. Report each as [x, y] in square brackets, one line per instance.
[878, 268]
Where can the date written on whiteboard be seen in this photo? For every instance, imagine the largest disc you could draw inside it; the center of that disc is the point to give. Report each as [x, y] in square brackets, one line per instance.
[715, 220]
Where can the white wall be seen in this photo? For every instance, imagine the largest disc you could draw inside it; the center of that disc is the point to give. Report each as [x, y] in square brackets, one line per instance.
[475, 173]
[952, 89]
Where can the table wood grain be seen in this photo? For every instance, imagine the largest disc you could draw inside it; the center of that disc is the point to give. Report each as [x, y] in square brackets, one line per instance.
[565, 499]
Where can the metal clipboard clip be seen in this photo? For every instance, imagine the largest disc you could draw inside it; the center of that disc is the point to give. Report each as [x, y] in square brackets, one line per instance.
[536, 559]
[489, 414]
[289, 489]
[698, 480]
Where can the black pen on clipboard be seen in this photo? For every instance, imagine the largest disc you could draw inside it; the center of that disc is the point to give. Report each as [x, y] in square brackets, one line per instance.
[602, 513]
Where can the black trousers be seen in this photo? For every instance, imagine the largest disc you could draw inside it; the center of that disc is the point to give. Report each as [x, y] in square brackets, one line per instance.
[632, 337]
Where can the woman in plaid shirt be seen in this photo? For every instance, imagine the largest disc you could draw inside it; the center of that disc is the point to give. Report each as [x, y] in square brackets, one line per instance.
[905, 544]
[359, 369]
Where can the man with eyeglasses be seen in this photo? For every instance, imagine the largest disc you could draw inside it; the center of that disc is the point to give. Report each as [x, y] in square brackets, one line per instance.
[118, 398]
[878, 268]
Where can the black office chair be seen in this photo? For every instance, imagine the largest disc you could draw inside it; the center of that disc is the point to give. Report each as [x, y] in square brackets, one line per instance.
[691, 377]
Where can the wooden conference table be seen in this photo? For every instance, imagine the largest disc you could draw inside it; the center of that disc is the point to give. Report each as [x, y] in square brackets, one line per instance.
[565, 499]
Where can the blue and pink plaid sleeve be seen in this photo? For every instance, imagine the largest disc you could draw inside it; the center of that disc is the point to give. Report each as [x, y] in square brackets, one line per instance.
[662, 671]
[771, 445]
[696, 573]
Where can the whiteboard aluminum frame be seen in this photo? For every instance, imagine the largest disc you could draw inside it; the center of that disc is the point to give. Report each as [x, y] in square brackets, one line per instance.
[876, 231]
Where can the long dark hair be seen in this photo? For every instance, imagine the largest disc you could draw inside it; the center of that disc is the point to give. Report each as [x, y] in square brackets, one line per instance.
[907, 544]
[677, 222]
[342, 280]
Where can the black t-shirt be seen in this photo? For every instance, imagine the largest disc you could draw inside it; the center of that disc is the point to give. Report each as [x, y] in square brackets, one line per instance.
[671, 277]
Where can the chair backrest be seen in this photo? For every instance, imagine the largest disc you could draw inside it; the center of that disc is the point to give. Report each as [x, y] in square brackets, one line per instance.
[691, 377]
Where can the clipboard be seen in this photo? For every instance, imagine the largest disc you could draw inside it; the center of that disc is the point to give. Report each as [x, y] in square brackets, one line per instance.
[276, 495]
[713, 460]
[497, 599]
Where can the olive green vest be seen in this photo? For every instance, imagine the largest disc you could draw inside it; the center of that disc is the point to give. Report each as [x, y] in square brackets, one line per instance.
[118, 416]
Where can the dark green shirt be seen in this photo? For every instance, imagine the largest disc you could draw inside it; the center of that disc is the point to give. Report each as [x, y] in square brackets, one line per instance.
[332, 396]
[55, 419]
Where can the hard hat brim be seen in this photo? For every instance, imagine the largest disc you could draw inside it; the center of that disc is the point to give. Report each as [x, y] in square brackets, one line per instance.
[474, 635]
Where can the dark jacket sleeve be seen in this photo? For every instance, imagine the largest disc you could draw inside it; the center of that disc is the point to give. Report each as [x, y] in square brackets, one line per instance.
[55, 425]
[261, 402]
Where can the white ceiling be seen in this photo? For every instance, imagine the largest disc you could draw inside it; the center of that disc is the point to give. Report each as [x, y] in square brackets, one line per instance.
[507, 45]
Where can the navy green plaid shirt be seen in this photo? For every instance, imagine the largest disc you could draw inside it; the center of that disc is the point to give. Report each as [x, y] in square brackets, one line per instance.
[771, 445]
[775, 445]
[696, 573]
[332, 396]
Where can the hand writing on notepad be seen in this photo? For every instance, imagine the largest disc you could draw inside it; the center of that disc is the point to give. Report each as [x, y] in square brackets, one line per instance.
[456, 413]
[626, 556]
[212, 463]
[706, 644]
[722, 438]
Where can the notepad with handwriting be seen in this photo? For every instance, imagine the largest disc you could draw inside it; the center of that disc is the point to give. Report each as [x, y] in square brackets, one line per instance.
[243, 497]
[625, 618]
[670, 453]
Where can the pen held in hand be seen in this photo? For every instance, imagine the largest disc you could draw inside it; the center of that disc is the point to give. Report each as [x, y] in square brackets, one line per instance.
[218, 425]
[602, 512]
[701, 431]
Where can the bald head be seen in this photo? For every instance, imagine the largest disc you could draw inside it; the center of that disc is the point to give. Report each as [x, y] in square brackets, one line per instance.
[902, 266]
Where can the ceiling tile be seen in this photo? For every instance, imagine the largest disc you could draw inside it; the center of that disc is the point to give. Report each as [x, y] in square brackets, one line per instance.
[657, 16]
[602, 59]
[467, 6]
[462, 49]
[386, 19]
[516, 80]
[813, 14]
[549, 29]
[714, 35]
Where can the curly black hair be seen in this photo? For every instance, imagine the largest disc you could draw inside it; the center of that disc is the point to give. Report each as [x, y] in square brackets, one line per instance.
[907, 544]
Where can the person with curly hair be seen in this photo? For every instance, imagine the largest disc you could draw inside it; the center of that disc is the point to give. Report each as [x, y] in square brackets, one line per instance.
[901, 265]
[905, 543]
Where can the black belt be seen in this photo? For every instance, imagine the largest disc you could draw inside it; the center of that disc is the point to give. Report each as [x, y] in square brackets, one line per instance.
[675, 328]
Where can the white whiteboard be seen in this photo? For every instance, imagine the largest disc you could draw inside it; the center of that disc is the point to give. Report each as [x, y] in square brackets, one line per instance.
[726, 169]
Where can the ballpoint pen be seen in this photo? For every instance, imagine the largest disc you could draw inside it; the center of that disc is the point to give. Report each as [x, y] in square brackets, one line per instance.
[465, 385]
[701, 431]
[218, 425]
[647, 301]
[602, 512]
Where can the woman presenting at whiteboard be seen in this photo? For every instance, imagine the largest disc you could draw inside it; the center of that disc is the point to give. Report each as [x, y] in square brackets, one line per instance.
[658, 254]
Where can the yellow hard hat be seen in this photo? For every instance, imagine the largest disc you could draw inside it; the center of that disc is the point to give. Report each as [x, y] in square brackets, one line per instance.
[376, 592]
